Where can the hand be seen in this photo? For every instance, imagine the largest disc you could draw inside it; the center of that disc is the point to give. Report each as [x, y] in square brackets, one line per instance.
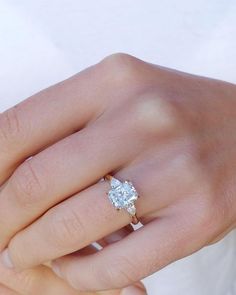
[170, 133]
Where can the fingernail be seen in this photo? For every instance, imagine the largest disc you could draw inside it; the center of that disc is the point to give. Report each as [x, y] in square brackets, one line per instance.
[133, 290]
[56, 269]
[6, 260]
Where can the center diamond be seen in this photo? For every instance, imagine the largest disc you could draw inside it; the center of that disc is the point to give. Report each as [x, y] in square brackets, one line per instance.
[122, 194]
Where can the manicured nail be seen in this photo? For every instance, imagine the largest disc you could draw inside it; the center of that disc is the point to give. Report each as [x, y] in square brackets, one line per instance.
[56, 269]
[133, 290]
[5, 259]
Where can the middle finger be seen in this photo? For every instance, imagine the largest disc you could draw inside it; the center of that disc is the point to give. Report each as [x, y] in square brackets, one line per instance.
[68, 227]
[88, 216]
[61, 171]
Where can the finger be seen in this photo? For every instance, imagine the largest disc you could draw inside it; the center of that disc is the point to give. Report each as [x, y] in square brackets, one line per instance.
[143, 252]
[89, 216]
[68, 227]
[61, 109]
[135, 289]
[38, 281]
[60, 171]
[38, 182]
[5, 291]
[46, 117]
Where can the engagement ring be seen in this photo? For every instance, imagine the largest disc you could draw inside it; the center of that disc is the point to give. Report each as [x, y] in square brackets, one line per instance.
[123, 195]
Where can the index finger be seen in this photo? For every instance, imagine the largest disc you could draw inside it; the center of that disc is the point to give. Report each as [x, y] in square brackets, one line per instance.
[47, 117]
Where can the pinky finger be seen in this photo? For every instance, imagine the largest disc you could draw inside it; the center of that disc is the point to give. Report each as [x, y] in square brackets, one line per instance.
[135, 289]
[138, 255]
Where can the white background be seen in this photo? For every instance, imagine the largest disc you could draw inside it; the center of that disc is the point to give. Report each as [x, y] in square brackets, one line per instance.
[43, 42]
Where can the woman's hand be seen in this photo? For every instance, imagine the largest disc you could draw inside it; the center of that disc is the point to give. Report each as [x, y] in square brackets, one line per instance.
[171, 134]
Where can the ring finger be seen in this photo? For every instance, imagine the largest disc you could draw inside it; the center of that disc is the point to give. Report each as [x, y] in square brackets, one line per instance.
[61, 171]
[88, 216]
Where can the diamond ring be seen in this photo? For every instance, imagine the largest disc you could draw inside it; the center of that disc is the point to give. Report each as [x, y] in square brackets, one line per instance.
[123, 195]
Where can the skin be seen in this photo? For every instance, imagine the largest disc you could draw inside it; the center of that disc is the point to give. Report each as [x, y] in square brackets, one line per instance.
[170, 133]
[42, 280]
[6, 291]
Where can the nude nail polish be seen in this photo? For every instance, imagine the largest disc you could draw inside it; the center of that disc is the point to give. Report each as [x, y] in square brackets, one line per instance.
[56, 269]
[133, 290]
[6, 260]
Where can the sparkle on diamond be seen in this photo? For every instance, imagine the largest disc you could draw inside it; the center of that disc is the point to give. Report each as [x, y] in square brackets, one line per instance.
[122, 194]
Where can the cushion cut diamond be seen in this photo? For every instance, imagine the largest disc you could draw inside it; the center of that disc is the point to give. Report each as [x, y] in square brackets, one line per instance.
[123, 195]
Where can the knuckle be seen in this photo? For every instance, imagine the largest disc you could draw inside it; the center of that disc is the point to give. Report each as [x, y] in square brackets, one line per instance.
[221, 215]
[10, 125]
[65, 224]
[212, 215]
[225, 206]
[122, 68]
[118, 58]
[208, 218]
[27, 184]
[153, 114]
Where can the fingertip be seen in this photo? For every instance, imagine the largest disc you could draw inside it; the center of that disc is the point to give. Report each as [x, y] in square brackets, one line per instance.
[137, 289]
[6, 260]
[56, 269]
